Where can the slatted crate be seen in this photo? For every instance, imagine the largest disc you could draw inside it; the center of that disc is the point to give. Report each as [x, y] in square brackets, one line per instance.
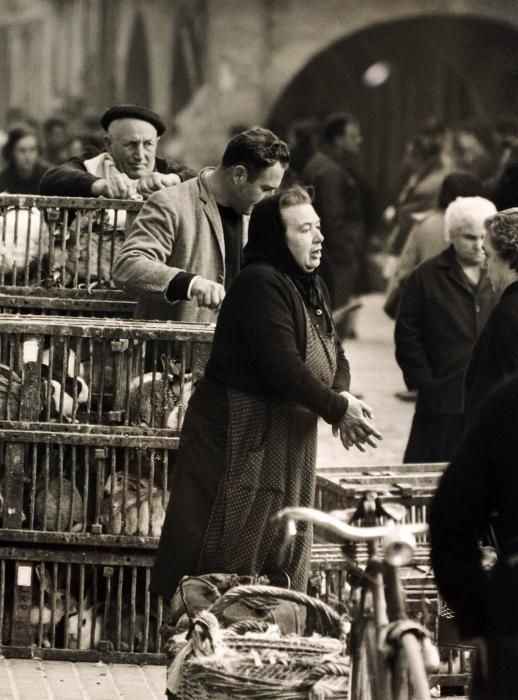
[99, 371]
[57, 253]
[104, 487]
[411, 485]
[79, 603]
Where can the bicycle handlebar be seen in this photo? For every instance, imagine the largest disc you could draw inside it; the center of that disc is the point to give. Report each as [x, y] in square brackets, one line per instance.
[352, 533]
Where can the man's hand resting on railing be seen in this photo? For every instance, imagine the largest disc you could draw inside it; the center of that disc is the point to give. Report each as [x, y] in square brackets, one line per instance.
[355, 428]
[119, 186]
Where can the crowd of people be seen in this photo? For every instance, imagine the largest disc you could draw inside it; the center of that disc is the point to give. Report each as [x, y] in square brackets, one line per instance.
[248, 442]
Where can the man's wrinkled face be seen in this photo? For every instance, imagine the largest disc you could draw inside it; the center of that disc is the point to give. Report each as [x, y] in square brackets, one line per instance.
[248, 193]
[132, 144]
[468, 244]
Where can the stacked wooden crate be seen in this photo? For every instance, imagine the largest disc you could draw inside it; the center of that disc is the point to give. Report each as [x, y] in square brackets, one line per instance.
[91, 405]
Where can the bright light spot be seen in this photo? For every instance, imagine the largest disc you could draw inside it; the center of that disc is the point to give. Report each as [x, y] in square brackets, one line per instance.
[377, 74]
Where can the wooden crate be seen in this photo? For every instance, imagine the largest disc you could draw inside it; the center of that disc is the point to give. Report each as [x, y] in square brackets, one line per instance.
[78, 479]
[413, 486]
[99, 371]
[57, 253]
[79, 603]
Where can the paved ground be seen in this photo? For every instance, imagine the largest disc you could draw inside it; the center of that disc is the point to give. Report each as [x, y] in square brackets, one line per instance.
[376, 375]
[33, 679]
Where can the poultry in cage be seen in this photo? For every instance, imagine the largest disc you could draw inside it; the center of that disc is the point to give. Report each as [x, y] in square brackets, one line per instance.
[10, 395]
[89, 249]
[129, 508]
[24, 237]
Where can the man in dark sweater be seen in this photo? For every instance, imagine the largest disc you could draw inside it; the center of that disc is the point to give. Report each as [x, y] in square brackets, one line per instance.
[127, 169]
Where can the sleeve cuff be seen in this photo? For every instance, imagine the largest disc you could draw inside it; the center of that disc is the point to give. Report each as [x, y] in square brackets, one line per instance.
[179, 288]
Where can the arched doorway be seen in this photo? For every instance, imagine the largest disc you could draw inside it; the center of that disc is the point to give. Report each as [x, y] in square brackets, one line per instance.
[453, 68]
[137, 84]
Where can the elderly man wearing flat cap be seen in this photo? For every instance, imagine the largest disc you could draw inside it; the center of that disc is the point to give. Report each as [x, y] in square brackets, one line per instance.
[127, 169]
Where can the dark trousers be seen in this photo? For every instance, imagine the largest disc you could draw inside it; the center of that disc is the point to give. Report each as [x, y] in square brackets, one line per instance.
[495, 672]
[434, 438]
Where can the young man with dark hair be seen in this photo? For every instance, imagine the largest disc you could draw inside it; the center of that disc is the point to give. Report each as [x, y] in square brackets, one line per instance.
[184, 248]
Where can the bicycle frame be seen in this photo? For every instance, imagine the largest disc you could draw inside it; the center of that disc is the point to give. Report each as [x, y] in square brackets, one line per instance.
[398, 671]
[392, 644]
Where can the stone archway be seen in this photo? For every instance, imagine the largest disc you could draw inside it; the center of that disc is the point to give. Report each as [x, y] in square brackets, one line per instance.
[451, 67]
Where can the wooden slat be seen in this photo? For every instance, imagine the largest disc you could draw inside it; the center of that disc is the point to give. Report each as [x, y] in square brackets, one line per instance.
[108, 328]
[86, 203]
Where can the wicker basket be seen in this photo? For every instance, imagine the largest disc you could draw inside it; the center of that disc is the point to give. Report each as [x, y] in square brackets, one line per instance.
[250, 661]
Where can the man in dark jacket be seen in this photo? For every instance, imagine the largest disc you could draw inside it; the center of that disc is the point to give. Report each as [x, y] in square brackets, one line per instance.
[127, 169]
[495, 356]
[340, 200]
[444, 306]
[482, 479]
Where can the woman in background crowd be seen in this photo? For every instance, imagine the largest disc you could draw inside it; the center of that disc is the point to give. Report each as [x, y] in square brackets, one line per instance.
[24, 168]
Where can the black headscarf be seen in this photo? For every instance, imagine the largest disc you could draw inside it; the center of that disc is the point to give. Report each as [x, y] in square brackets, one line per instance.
[267, 243]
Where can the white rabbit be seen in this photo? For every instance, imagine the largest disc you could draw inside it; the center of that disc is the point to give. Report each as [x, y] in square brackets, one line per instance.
[85, 624]
[50, 600]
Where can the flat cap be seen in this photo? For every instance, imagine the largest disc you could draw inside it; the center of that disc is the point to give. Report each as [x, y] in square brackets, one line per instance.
[132, 112]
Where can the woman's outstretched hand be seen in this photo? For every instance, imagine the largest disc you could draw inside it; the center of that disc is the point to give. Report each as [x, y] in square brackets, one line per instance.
[355, 428]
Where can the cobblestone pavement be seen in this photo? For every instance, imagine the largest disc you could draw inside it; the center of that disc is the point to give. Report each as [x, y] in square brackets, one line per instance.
[376, 375]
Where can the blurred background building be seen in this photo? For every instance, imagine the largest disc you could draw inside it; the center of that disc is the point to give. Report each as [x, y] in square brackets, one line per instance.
[214, 65]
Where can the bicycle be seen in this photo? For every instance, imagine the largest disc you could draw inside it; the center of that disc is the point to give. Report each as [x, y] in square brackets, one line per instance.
[391, 655]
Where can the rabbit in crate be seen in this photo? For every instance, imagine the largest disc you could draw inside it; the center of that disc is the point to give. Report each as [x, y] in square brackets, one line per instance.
[88, 257]
[59, 507]
[131, 508]
[85, 630]
[153, 403]
[52, 601]
[51, 390]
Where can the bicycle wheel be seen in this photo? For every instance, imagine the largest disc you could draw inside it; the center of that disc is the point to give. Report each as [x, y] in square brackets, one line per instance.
[366, 681]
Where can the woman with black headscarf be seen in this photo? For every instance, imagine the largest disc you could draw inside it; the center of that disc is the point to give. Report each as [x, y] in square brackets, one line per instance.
[248, 444]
